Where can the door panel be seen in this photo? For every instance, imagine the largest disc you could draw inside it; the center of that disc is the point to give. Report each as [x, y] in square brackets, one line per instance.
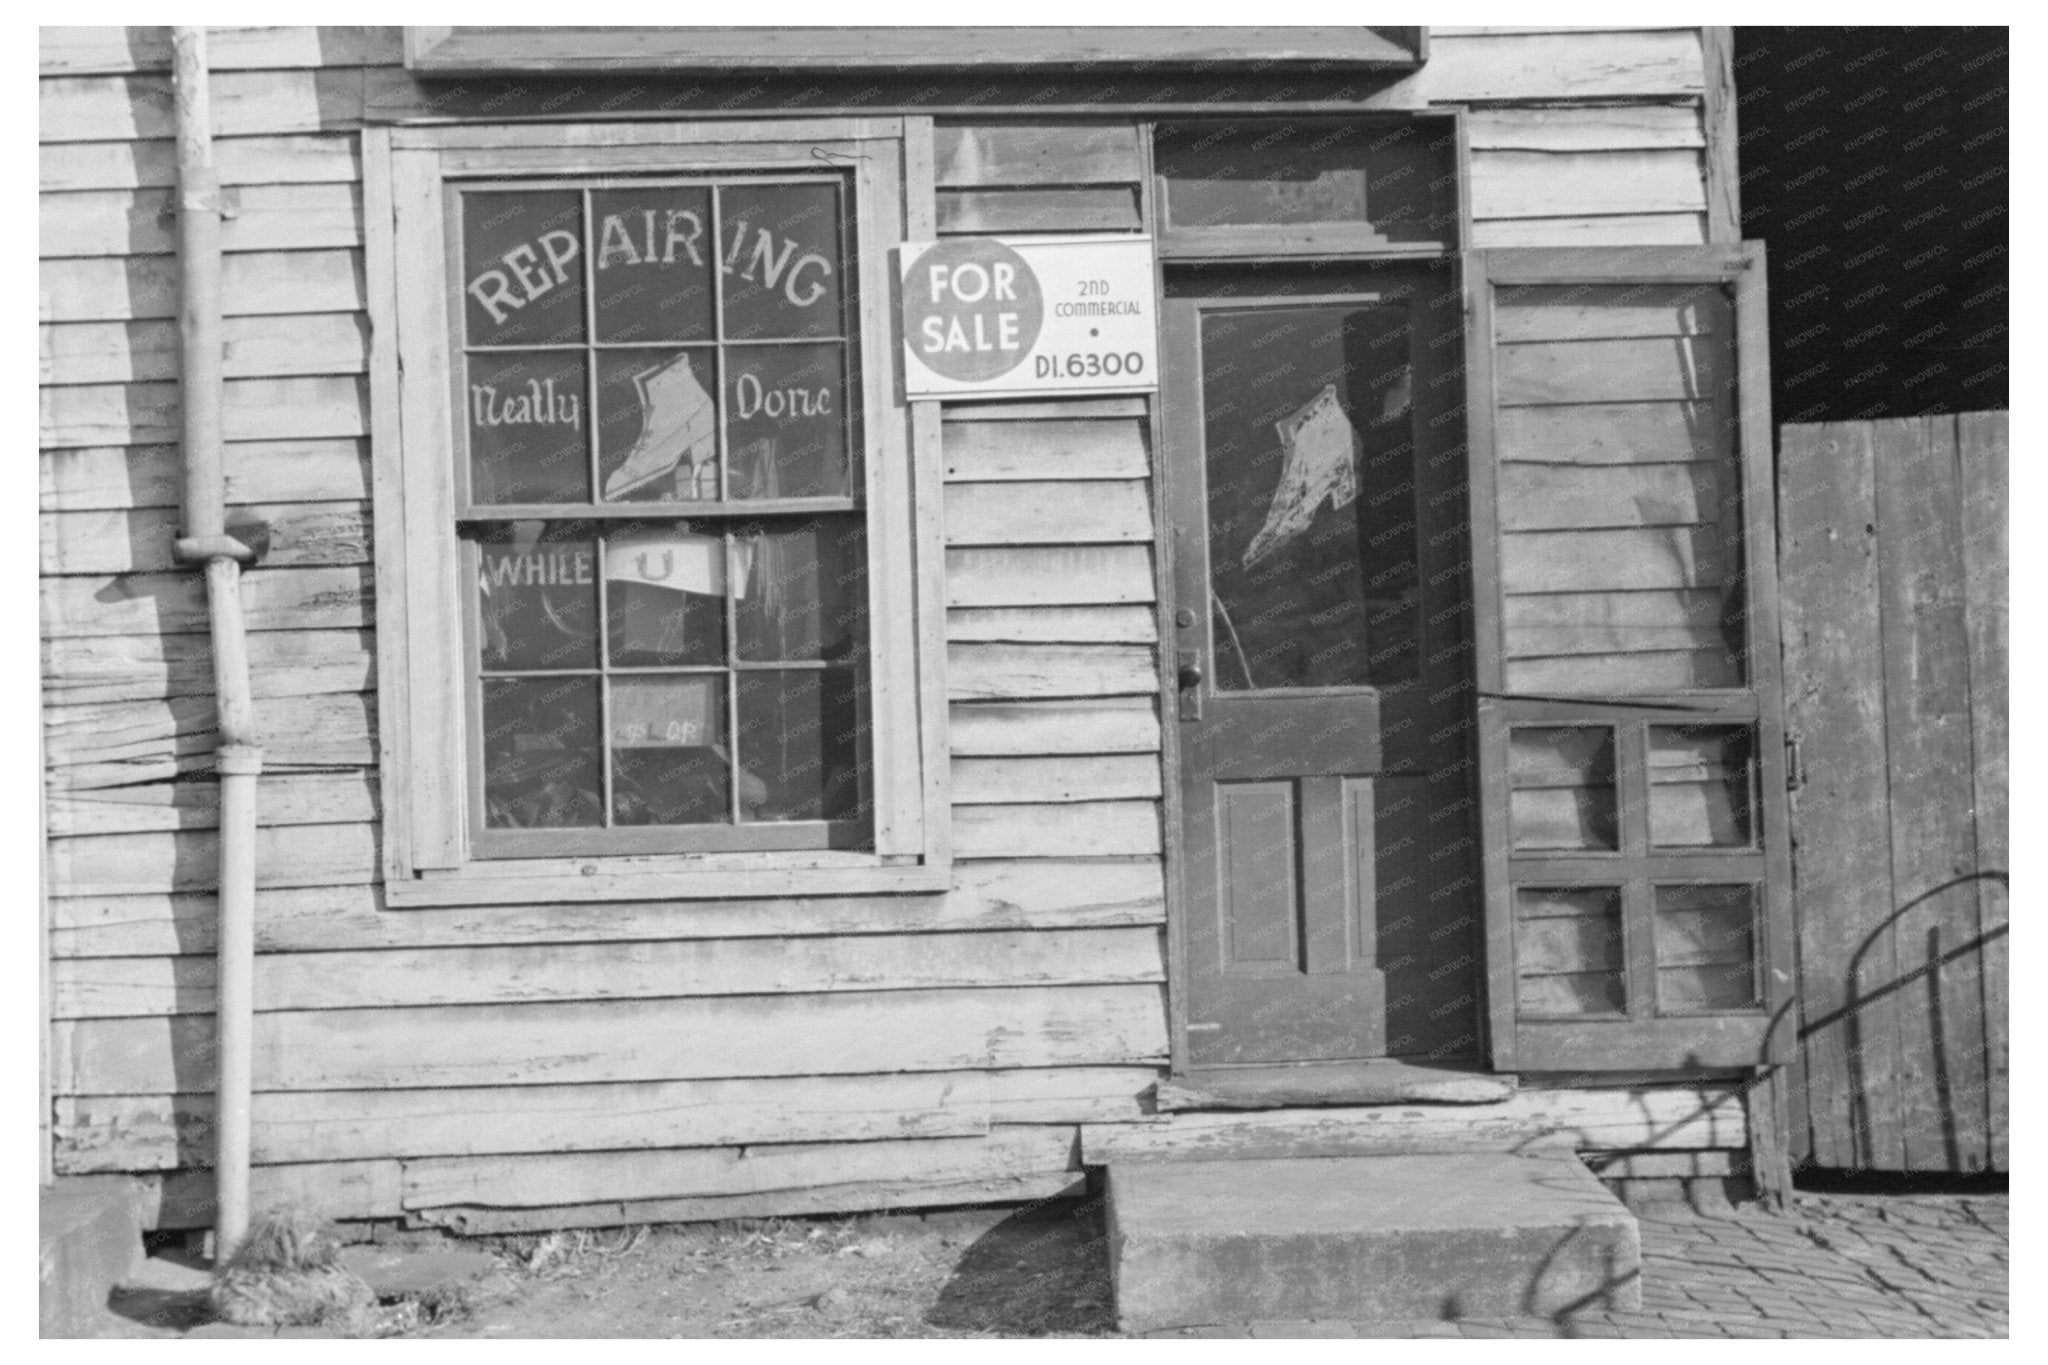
[1316, 484]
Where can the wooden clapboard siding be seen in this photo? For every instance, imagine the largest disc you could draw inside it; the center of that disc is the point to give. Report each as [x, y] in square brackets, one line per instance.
[130, 108]
[1589, 64]
[88, 478]
[1048, 894]
[1621, 229]
[289, 535]
[1583, 497]
[1893, 594]
[189, 860]
[850, 1032]
[285, 409]
[1109, 725]
[1087, 208]
[1048, 513]
[1048, 576]
[1093, 777]
[252, 347]
[96, 669]
[115, 987]
[1510, 184]
[303, 160]
[132, 288]
[254, 218]
[94, 745]
[285, 798]
[1610, 433]
[994, 450]
[1048, 177]
[175, 604]
[1089, 828]
[1017, 672]
[97, 50]
[163, 1132]
[1590, 128]
[1052, 625]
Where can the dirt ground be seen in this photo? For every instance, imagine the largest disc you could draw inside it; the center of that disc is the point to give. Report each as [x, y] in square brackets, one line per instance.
[1835, 1265]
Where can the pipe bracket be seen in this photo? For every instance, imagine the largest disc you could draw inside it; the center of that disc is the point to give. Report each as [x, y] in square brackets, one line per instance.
[201, 549]
[235, 760]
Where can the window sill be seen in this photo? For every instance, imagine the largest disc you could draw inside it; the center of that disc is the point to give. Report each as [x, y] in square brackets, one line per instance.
[737, 876]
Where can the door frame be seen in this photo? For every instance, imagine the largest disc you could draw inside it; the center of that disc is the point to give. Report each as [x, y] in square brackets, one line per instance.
[1164, 566]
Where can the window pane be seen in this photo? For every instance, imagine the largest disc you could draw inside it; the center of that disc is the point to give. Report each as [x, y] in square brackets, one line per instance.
[540, 753]
[665, 595]
[780, 267]
[522, 267]
[537, 593]
[657, 425]
[653, 264]
[1391, 177]
[1561, 787]
[1706, 948]
[788, 415]
[805, 597]
[1310, 460]
[670, 762]
[1700, 781]
[527, 438]
[1568, 957]
[799, 745]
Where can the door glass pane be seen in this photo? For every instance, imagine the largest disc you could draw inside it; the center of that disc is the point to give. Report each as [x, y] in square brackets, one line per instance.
[1311, 496]
[1394, 177]
[1706, 948]
[1700, 782]
[1561, 787]
[1568, 957]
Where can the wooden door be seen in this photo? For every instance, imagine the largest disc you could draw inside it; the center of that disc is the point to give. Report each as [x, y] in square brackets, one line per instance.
[1315, 475]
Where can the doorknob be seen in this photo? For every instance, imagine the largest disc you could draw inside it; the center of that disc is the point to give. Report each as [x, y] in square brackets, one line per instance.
[1190, 685]
[1190, 671]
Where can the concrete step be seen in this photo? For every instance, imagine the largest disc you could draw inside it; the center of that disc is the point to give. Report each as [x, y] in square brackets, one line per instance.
[1481, 1234]
[91, 1237]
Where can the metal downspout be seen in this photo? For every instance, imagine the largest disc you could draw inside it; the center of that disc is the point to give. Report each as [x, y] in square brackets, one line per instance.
[205, 542]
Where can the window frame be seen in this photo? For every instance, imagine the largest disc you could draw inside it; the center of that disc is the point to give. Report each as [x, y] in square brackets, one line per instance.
[427, 776]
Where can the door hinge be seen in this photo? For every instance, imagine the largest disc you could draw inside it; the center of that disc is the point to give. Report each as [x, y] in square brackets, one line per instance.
[1795, 766]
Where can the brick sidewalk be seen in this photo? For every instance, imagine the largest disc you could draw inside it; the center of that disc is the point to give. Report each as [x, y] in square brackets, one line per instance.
[1835, 1266]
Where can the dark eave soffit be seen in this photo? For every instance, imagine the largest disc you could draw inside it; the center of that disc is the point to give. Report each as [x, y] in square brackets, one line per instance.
[488, 51]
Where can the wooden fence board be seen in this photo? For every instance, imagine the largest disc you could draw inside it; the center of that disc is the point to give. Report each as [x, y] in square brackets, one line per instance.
[1982, 448]
[852, 1032]
[1933, 912]
[985, 896]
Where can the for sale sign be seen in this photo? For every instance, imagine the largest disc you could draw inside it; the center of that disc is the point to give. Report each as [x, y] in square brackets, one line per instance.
[999, 317]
